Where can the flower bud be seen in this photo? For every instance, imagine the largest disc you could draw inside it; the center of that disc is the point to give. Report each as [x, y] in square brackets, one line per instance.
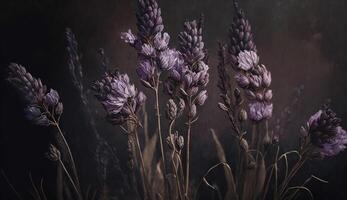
[201, 98]
[181, 106]
[180, 142]
[53, 153]
[171, 109]
[59, 109]
[192, 111]
[51, 98]
[268, 95]
[242, 115]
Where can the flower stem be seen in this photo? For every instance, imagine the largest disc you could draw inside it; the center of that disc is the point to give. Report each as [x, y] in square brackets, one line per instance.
[143, 174]
[70, 179]
[188, 151]
[73, 166]
[159, 126]
[292, 173]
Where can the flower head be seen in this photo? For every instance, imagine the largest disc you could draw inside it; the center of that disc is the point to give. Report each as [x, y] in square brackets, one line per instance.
[119, 97]
[149, 20]
[325, 133]
[259, 111]
[39, 103]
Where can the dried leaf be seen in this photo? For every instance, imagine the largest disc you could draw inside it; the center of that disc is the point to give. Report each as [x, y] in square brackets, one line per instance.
[158, 181]
[231, 192]
[254, 180]
[148, 153]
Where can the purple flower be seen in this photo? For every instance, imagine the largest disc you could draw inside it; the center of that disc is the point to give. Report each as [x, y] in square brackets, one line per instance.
[119, 97]
[161, 41]
[146, 71]
[324, 132]
[38, 102]
[128, 37]
[242, 80]
[51, 98]
[259, 111]
[169, 58]
[148, 50]
[247, 60]
[35, 115]
[149, 20]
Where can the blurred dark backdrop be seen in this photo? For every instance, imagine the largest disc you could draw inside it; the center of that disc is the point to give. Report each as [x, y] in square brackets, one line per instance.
[300, 41]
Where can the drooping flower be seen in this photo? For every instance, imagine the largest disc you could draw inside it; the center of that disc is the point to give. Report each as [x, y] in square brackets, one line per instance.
[324, 132]
[119, 97]
[42, 108]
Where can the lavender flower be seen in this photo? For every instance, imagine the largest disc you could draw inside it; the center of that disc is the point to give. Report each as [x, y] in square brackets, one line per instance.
[169, 58]
[149, 20]
[241, 36]
[42, 108]
[260, 110]
[255, 79]
[119, 97]
[128, 37]
[324, 132]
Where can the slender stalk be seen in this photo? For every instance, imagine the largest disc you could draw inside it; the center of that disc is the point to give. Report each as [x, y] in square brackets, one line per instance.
[143, 174]
[11, 186]
[73, 165]
[188, 151]
[156, 90]
[291, 174]
[174, 154]
[70, 179]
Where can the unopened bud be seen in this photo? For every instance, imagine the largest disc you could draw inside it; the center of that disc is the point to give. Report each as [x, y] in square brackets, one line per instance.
[192, 111]
[53, 153]
[242, 115]
[171, 109]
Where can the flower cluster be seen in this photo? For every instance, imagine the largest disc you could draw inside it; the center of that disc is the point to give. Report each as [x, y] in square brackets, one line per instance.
[151, 43]
[241, 36]
[119, 97]
[324, 132]
[41, 106]
[255, 79]
[191, 72]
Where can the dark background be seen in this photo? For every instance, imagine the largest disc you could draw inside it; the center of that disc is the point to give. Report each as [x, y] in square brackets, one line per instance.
[300, 41]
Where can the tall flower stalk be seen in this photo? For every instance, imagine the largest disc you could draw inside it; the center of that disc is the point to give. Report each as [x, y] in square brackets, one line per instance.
[122, 101]
[42, 108]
